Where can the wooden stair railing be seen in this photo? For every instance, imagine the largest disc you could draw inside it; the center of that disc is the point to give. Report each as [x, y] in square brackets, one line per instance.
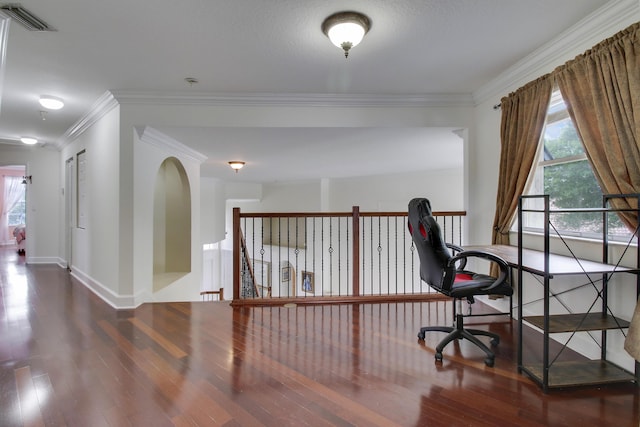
[242, 263]
[208, 295]
[246, 266]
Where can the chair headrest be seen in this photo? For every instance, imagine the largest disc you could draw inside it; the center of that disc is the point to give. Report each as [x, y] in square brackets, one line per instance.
[432, 251]
[419, 208]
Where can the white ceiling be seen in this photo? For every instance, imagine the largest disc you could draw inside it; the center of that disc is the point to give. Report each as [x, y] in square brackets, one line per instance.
[241, 47]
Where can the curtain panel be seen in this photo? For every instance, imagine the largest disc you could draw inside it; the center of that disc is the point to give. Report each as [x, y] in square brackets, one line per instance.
[602, 91]
[13, 193]
[523, 116]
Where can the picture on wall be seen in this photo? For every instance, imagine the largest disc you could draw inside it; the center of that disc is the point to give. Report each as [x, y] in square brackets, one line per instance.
[307, 282]
[286, 274]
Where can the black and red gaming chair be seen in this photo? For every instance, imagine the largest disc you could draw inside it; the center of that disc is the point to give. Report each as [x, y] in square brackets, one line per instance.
[445, 273]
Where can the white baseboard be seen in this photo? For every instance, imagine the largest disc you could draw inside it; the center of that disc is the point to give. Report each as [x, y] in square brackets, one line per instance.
[119, 302]
[43, 260]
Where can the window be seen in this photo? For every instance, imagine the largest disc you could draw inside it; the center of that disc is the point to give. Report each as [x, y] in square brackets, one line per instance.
[17, 214]
[564, 173]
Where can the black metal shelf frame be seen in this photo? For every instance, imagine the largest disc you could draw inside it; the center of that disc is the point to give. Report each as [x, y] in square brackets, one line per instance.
[552, 374]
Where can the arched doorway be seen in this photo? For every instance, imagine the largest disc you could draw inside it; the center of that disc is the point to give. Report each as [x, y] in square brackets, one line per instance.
[171, 224]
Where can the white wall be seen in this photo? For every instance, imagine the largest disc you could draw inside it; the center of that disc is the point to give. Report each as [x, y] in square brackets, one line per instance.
[445, 189]
[391, 193]
[95, 248]
[212, 203]
[294, 196]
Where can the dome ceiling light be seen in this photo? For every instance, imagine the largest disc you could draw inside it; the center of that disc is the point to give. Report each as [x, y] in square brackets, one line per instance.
[51, 102]
[28, 140]
[236, 165]
[346, 29]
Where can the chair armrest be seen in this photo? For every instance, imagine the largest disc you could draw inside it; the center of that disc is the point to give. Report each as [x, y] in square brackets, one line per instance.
[502, 264]
[455, 249]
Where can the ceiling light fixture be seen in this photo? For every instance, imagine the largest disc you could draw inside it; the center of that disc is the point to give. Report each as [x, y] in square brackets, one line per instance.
[236, 165]
[28, 140]
[346, 29]
[51, 102]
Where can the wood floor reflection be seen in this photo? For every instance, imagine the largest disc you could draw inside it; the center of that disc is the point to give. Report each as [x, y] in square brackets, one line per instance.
[69, 359]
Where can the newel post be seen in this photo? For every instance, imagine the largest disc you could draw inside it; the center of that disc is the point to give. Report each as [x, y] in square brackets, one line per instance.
[236, 254]
[356, 250]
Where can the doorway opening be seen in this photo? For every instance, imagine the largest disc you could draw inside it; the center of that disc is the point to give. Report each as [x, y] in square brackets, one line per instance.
[13, 207]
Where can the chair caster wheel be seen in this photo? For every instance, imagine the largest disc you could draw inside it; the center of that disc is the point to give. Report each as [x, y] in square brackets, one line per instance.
[489, 361]
[421, 336]
[438, 357]
[494, 341]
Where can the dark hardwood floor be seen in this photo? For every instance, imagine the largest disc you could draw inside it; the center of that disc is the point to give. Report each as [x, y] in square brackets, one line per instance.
[69, 359]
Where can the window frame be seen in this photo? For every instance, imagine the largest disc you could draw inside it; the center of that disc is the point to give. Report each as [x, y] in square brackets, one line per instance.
[561, 113]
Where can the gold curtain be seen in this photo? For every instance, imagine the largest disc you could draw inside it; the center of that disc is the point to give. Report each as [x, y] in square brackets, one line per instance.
[602, 91]
[523, 116]
[632, 342]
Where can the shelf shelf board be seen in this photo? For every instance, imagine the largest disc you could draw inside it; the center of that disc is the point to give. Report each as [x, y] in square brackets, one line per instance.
[578, 322]
[572, 374]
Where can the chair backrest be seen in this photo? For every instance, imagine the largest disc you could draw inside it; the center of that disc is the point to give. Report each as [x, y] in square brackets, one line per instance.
[432, 250]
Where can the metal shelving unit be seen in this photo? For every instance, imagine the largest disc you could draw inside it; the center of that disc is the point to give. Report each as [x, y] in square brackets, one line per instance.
[560, 374]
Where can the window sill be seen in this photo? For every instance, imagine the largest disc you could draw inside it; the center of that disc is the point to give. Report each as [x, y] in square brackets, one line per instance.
[572, 237]
[583, 247]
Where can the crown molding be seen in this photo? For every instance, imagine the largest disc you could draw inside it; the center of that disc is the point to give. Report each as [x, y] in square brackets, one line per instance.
[111, 99]
[102, 106]
[4, 36]
[294, 99]
[601, 24]
[159, 140]
[15, 142]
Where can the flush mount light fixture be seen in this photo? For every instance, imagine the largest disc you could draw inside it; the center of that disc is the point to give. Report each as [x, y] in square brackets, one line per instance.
[346, 29]
[51, 102]
[28, 140]
[236, 165]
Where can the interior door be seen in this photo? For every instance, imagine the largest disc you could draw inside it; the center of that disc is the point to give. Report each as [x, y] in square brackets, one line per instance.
[69, 194]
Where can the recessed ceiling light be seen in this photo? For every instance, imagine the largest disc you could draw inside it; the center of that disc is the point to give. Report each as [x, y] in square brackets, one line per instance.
[51, 102]
[28, 140]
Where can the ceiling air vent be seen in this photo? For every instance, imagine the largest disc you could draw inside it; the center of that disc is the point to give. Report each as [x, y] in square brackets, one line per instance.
[25, 18]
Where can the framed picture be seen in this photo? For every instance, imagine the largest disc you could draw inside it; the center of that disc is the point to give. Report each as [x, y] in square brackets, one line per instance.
[286, 274]
[307, 282]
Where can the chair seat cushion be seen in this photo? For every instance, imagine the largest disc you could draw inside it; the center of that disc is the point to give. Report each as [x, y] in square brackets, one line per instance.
[468, 283]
